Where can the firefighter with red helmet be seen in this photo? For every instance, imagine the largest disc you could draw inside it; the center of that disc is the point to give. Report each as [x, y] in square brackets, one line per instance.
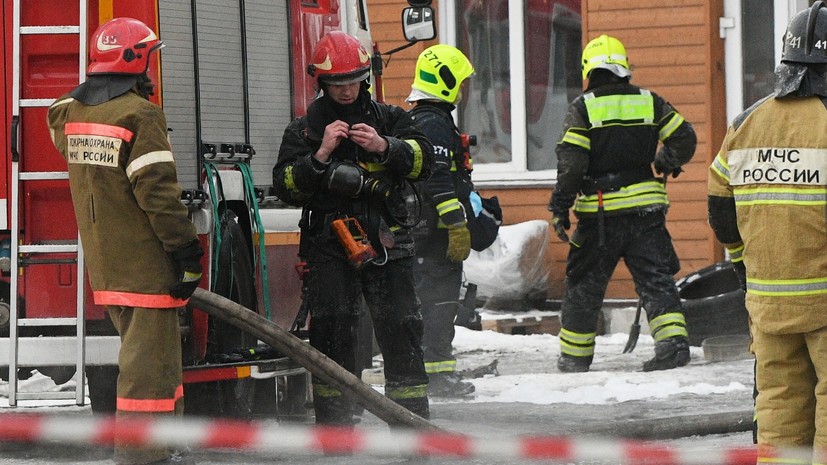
[350, 163]
[767, 191]
[609, 143]
[142, 253]
[443, 240]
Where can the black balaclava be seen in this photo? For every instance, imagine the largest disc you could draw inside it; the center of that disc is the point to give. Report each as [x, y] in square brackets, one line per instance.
[324, 111]
[101, 88]
[601, 77]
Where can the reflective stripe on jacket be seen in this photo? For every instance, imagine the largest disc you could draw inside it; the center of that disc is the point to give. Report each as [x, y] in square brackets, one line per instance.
[610, 137]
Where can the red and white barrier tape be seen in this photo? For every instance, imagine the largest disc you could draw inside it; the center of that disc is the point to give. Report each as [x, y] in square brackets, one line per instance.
[222, 434]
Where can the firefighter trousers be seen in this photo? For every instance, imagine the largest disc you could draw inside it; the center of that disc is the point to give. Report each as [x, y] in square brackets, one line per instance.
[791, 380]
[438, 282]
[150, 379]
[334, 294]
[644, 244]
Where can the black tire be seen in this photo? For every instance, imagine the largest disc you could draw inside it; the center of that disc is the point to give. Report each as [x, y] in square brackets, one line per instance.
[232, 398]
[713, 303]
[60, 375]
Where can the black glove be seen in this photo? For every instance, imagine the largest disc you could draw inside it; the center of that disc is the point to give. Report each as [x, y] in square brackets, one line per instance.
[561, 223]
[665, 164]
[188, 265]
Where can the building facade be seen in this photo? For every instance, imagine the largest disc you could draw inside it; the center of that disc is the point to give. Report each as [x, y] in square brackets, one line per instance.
[710, 59]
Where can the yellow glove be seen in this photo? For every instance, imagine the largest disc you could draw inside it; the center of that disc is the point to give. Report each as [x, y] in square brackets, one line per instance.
[459, 243]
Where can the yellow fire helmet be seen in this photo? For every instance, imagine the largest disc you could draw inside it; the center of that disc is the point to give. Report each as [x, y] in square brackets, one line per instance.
[440, 70]
[608, 53]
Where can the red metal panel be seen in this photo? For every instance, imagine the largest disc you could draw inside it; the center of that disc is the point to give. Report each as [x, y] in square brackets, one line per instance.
[49, 67]
[204, 374]
[308, 25]
[5, 119]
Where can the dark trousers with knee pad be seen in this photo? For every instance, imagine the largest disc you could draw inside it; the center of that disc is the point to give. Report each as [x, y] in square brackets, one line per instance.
[334, 288]
[644, 244]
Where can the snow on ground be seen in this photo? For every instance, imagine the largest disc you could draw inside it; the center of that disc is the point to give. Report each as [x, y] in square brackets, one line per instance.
[528, 373]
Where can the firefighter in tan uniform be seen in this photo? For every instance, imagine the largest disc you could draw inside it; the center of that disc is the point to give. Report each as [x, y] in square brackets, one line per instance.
[767, 200]
[142, 252]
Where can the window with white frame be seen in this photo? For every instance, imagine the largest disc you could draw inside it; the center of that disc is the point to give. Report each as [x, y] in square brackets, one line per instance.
[526, 56]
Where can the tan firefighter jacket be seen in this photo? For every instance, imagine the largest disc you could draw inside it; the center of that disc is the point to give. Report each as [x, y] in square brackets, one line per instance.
[126, 197]
[775, 166]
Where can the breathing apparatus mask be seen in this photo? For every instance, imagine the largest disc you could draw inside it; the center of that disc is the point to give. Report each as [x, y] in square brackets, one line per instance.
[351, 180]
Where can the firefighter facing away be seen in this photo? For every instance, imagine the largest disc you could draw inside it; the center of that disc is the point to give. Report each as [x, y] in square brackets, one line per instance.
[443, 240]
[347, 164]
[605, 155]
[772, 170]
[142, 252]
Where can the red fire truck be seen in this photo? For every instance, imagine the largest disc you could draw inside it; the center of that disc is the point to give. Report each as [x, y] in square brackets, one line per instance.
[232, 75]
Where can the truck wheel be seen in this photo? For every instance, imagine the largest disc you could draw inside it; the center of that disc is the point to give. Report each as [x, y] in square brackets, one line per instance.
[233, 398]
[713, 303]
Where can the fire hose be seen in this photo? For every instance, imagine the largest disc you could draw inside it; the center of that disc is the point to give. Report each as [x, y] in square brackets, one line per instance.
[311, 359]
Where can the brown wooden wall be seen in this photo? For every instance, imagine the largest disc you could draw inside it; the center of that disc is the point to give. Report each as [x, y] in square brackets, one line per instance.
[386, 29]
[675, 51]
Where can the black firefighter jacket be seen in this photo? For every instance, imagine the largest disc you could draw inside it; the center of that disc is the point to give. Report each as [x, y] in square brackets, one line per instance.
[298, 178]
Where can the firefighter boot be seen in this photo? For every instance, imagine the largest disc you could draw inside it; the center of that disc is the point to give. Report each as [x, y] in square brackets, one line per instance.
[570, 364]
[333, 411]
[448, 385]
[417, 405]
[669, 353]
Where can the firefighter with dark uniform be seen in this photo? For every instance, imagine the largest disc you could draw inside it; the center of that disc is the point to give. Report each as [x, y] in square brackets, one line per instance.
[142, 253]
[609, 142]
[349, 163]
[443, 240]
[767, 199]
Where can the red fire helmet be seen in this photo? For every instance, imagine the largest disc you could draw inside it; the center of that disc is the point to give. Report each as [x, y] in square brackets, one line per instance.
[122, 46]
[338, 59]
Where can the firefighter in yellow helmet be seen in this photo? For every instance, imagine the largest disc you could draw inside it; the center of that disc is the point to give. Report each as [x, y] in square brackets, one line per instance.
[350, 158]
[771, 169]
[610, 141]
[446, 234]
[142, 253]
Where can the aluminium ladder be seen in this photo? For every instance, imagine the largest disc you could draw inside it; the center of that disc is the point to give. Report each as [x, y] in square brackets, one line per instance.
[20, 252]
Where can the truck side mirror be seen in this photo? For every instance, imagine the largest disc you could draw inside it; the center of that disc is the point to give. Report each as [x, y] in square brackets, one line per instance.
[418, 23]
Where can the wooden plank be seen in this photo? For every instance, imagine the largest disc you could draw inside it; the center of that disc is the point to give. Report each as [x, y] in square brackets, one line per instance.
[524, 325]
[632, 18]
[667, 56]
[640, 40]
[677, 75]
[599, 5]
